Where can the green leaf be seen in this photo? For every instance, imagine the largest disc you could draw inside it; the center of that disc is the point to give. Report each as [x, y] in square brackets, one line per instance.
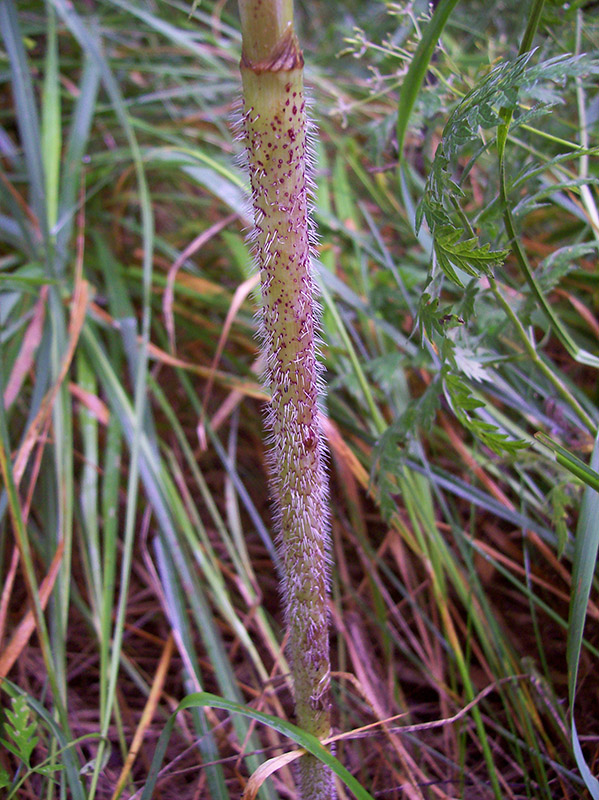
[428, 315]
[4, 778]
[571, 462]
[48, 769]
[51, 133]
[560, 263]
[300, 737]
[418, 68]
[501, 91]
[462, 402]
[26, 109]
[20, 730]
[482, 108]
[466, 255]
[583, 570]
[28, 277]
[560, 500]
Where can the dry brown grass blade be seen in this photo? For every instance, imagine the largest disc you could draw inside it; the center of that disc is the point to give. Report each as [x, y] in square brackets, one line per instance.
[343, 451]
[78, 312]
[366, 730]
[419, 640]
[27, 625]
[471, 463]
[581, 309]
[275, 706]
[169, 292]
[269, 767]
[31, 340]
[235, 397]
[369, 685]
[239, 297]
[273, 764]
[266, 769]
[359, 649]
[91, 402]
[147, 714]
[247, 388]
[7, 591]
[592, 610]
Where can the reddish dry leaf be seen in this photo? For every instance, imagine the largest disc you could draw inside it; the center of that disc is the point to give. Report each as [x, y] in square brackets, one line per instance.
[24, 361]
[26, 627]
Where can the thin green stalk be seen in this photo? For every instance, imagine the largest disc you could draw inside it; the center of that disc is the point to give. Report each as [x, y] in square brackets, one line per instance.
[561, 388]
[275, 128]
[379, 421]
[418, 69]
[51, 134]
[577, 353]
[585, 192]
[531, 351]
[24, 545]
[91, 46]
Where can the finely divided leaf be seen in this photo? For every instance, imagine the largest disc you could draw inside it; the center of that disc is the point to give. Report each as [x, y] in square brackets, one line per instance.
[462, 402]
[467, 255]
[481, 109]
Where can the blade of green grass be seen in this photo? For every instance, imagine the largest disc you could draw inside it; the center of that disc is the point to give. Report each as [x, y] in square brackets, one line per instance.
[571, 462]
[173, 520]
[174, 598]
[89, 488]
[237, 550]
[418, 68]
[182, 38]
[21, 535]
[51, 133]
[90, 45]
[74, 153]
[583, 570]
[26, 111]
[300, 737]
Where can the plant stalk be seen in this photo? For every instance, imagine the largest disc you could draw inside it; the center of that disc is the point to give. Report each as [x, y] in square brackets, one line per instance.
[275, 129]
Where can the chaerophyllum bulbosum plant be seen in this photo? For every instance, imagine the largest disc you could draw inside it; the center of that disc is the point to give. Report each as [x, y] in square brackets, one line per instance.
[275, 130]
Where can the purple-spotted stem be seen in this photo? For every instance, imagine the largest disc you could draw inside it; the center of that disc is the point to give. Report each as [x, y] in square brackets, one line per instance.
[275, 129]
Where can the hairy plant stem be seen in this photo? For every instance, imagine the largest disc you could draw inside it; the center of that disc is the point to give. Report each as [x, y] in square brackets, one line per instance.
[275, 129]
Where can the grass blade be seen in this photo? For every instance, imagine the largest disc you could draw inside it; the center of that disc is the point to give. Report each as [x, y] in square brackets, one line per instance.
[418, 69]
[51, 134]
[26, 110]
[583, 570]
[571, 462]
[300, 737]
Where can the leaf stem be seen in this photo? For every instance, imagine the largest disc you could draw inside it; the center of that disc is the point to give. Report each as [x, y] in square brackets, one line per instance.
[560, 387]
[275, 127]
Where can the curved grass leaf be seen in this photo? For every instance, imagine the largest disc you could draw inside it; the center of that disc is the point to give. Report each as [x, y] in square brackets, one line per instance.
[571, 462]
[27, 116]
[89, 43]
[65, 741]
[466, 255]
[418, 68]
[585, 558]
[300, 737]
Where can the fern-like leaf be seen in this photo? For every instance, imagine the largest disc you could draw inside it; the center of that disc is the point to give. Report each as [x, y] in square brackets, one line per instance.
[467, 255]
[20, 730]
[485, 108]
[463, 402]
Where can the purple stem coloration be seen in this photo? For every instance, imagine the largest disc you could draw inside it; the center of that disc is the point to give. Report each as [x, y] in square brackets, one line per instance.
[275, 129]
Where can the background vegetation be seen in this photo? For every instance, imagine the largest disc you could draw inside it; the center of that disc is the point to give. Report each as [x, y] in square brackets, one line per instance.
[460, 318]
